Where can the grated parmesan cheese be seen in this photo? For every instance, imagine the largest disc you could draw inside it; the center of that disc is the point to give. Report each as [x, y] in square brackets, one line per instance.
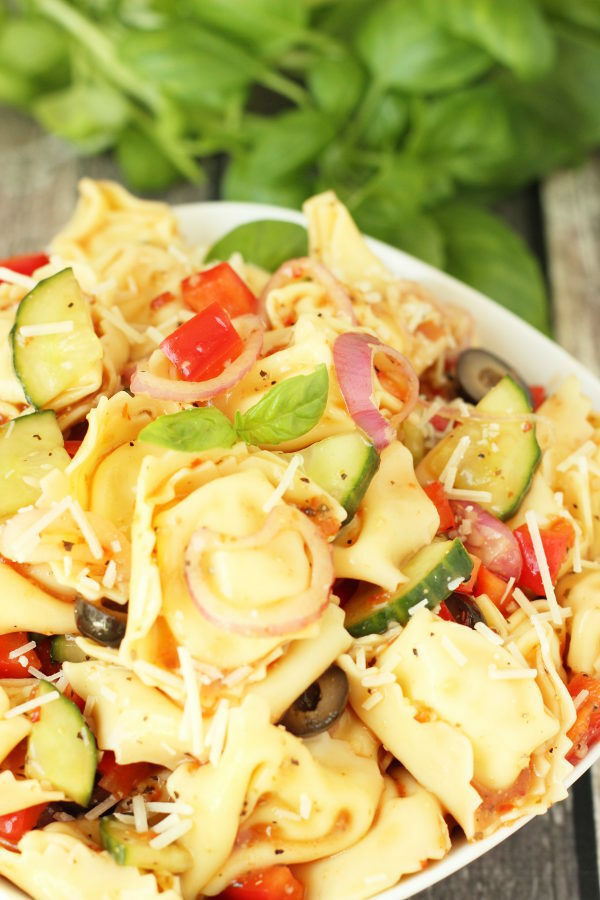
[512, 648]
[587, 449]
[116, 318]
[215, 737]
[580, 698]
[17, 278]
[170, 806]
[476, 496]
[510, 585]
[420, 605]
[361, 659]
[154, 334]
[110, 575]
[372, 700]
[89, 535]
[31, 704]
[139, 813]
[166, 823]
[170, 836]
[488, 634]
[449, 472]
[538, 549]
[377, 679]
[192, 712]
[46, 328]
[237, 675]
[305, 806]
[286, 481]
[24, 648]
[97, 811]
[452, 650]
[497, 674]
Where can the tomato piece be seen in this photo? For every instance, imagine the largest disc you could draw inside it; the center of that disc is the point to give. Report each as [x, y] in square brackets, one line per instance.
[162, 300]
[557, 539]
[14, 825]
[220, 284]
[202, 347]
[538, 395]
[444, 613]
[72, 447]
[467, 587]
[12, 668]
[121, 780]
[26, 264]
[495, 587]
[276, 883]
[585, 731]
[436, 493]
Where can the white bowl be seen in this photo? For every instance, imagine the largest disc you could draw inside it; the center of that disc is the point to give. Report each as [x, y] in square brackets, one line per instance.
[537, 358]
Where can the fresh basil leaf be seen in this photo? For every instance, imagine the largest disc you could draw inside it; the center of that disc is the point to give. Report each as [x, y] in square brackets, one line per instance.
[31, 46]
[191, 430]
[403, 49]
[466, 134]
[270, 26]
[15, 89]
[512, 31]
[483, 251]
[90, 115]
[144, 165]
[289, 141]
[336, 84]
[242, 182]
[267, 243]
[287, 411]
[386, 123]
[585, 13]
[416, 233]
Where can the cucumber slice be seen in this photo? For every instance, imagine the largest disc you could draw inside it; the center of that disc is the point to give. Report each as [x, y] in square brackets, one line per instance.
[501, 457]
[48, 365]
[431, 574]
[131, 848]
[343, 465]
[64, 649]
[61, 749]
[30, 447]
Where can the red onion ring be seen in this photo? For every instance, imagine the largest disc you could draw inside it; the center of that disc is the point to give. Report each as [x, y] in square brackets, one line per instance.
[288, 615]
[145, 381]
[488, 538]
[306, 267]
[353, 359]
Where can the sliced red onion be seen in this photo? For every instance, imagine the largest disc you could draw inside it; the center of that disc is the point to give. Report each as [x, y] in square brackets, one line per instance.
[287, 616]
[306, 267]
[147, 379]
[353, 359]
[488, 538]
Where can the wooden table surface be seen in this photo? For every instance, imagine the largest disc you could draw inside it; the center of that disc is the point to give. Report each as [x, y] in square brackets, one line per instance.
[555, 856]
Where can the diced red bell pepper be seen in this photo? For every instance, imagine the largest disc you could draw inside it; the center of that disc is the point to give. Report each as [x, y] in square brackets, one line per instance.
[14, 825]
[495, 587]
[162, 300]
[120, 780]
[276, 883]
[220, 284]
[436, 493]
[467, 587]
[12, 668]
[444, 613]
[557, 539]
[585, 731]
[26, 264]
[538, 395]
[72, 447]
[202, 347]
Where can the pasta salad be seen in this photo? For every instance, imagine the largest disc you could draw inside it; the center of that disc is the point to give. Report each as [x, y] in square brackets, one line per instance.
[298, 584]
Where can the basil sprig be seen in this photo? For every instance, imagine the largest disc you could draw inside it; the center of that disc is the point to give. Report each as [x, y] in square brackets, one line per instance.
[287, 411]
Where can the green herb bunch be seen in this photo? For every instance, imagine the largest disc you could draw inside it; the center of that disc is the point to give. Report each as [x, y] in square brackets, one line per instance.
[418, 113]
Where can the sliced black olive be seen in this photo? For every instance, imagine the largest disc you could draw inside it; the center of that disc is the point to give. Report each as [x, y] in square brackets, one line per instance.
[477, 372]
[464, 610]
[317, 708]
[98, 623]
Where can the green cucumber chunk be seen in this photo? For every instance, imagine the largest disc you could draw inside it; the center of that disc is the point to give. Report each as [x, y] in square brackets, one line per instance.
[502, 454]
[30, 447]
[343, 465]
[131, 848]
[64, 649]
[63, 362]
[432, 575]
[61, 749]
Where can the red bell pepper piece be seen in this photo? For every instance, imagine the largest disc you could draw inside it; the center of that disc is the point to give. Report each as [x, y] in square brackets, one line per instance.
[72, 447]
[202, 347]
[14, 825]
[276, 883]
[495, 587]
[467, 587]
[538, 395]
[436, 493]
[557, 539]
[121, 780]
[12, 668]
[444, 613]
[585, 731]
[220, 284]
[162, 300]
[25, 264]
